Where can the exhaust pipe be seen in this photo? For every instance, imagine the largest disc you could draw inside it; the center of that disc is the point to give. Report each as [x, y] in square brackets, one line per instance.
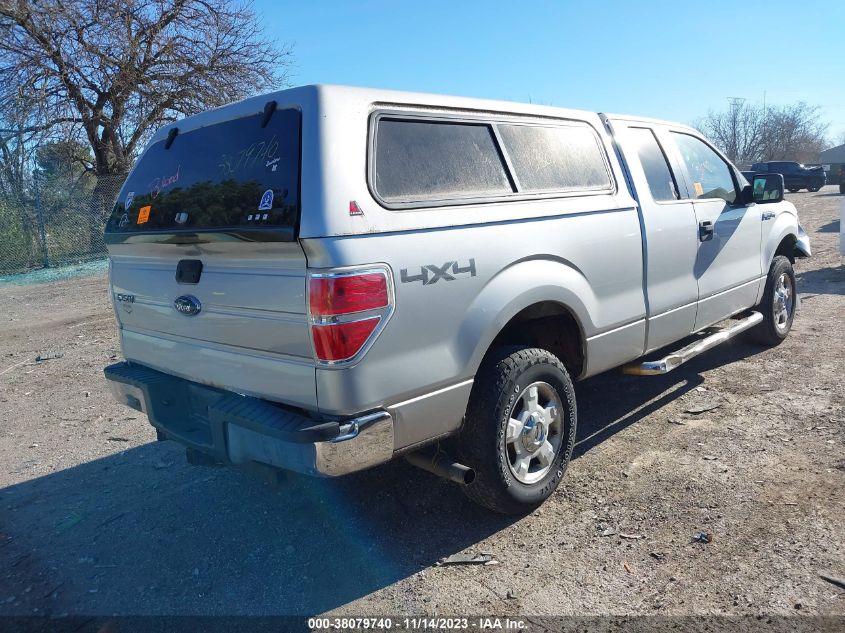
[440, 464]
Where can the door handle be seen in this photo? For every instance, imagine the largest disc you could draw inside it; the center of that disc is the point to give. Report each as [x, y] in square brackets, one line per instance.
[705, 231]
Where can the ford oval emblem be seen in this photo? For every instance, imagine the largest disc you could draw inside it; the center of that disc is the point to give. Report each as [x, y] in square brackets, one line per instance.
[187, 305]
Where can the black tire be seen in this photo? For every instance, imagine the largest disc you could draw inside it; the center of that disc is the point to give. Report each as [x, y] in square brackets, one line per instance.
[501, 387]
[774, 329]
[814, 186]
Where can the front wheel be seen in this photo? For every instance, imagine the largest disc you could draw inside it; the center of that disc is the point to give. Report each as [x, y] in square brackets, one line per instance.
[779, 302]
[519, 430]
[814, 186]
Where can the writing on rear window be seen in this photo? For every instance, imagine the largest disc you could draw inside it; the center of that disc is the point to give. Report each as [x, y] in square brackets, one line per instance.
[248, 157]
[231, 175]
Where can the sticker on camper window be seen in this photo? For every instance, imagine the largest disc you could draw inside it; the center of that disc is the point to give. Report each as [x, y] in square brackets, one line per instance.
[266, 203]
[271, 165]
[128, 202]
[699, 190]
[144, 214]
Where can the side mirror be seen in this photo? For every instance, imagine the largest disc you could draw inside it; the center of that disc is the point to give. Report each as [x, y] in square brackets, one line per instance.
[768, 188]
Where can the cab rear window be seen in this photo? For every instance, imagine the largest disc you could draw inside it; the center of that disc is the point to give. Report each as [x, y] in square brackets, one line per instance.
[232, 176]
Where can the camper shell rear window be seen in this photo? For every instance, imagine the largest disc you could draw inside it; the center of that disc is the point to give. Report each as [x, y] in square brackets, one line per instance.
[236, 177]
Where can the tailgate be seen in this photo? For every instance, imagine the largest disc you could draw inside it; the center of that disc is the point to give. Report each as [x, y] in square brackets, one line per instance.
[251, 332]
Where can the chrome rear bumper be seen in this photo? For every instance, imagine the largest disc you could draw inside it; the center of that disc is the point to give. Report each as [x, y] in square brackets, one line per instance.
[236, 429]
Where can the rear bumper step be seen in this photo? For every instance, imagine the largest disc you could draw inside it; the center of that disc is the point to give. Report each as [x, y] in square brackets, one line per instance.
[236, 429]
[676, 359]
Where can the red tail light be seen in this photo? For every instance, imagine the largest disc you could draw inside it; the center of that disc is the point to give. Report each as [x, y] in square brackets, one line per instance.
[347, 310]
[343, 295]
[342, 340]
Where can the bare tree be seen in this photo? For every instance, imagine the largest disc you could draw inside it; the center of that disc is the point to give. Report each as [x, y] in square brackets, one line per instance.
[16, 151]
[18, 141]
[113, 71]
[748, 133]
[795, 132]
[737, 131]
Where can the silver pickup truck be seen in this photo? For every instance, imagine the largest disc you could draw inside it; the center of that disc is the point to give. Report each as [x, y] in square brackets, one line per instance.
[324, 278]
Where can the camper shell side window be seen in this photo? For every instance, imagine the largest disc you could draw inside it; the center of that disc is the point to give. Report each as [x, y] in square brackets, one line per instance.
[420, 160]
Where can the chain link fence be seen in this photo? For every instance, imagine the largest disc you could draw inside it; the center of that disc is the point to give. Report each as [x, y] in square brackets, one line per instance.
[56, 225]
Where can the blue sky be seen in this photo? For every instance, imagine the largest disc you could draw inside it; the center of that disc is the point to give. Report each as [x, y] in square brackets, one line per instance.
[671, 60]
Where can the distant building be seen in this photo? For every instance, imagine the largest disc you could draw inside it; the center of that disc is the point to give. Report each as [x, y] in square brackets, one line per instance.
[833, 159]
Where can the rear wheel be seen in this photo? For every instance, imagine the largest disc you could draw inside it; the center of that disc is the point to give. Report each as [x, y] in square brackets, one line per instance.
[814, 186]
[519, 430]
[779, 303]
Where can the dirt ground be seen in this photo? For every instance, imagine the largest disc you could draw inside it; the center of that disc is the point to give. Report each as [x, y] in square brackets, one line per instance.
[98, 518]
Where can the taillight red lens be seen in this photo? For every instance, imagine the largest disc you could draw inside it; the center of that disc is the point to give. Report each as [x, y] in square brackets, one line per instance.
[331, 296]
[340, 341]
[336, 302]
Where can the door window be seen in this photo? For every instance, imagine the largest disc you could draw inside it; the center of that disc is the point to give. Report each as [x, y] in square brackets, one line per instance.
[709, 173]
[659, 176]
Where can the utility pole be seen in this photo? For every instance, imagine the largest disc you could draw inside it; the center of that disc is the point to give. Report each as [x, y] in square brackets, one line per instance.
[763, 132]
[736, 106]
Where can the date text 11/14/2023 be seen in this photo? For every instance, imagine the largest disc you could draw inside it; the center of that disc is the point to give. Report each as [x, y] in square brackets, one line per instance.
[416, 624]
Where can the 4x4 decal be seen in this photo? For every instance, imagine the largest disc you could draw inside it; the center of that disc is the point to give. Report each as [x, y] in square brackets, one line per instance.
[431, 273]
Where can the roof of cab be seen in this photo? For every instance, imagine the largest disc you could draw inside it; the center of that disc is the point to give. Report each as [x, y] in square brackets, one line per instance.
[649, 121]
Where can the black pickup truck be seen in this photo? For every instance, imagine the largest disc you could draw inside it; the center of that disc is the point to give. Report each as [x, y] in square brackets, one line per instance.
[795, 175]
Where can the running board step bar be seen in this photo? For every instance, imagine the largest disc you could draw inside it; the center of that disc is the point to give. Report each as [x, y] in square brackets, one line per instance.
[676, 359]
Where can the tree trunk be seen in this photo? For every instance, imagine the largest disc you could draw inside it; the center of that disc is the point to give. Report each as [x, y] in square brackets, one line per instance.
[102, 202]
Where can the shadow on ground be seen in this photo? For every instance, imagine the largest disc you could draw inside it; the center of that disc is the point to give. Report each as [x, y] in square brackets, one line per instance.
[830, 227]
[611, 402]
[829, 281]
[142, 532]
